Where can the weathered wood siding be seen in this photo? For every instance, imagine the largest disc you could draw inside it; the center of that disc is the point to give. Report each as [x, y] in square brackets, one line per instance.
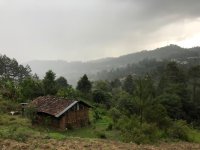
[45, 119]
[76, 116]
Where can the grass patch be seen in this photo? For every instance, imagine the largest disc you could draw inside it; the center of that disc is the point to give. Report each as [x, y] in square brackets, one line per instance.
[17, 128]
[7, 106]
[20, 129]
[57, 135]
[194, 135]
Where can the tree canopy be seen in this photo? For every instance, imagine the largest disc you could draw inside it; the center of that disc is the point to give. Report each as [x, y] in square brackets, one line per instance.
[49, 83]
[84, 85]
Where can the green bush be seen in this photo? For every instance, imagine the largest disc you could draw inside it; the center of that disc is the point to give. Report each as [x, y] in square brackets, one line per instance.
[133, 131]
[110, 127]
[13, 133]
[7, 105]
[115, 114]
[157, 114]
[147, 133]
[179, 130]
[97, 114]
[101, 135]
[22, 137]
[31, 113]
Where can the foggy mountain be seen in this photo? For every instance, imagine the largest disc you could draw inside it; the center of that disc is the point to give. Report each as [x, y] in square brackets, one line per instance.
[74, 70]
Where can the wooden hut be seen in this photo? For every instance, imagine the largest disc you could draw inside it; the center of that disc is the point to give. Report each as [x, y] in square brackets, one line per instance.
[61, 113]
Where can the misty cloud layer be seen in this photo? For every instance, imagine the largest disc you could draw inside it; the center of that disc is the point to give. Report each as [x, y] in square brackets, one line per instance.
[90, 29]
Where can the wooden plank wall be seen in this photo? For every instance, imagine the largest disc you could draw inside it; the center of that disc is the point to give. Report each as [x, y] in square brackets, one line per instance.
[75, 117]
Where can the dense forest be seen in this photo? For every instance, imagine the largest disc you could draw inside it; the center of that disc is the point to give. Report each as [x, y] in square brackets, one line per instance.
[161, 101]
[99, 69]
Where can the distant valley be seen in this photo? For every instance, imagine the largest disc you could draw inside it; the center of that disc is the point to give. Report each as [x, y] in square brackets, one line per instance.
[74, 70]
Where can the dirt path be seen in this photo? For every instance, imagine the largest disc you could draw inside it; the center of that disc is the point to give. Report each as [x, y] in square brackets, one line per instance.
[89, 144]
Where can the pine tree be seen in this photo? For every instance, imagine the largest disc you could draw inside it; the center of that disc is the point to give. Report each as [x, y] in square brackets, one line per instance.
[129, 84]
[62, 82]
[49, 83]
[84, 85]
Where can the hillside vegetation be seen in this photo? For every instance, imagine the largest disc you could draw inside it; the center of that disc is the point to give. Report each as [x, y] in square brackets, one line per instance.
[159, 104]
[73, 70]
[17, 132]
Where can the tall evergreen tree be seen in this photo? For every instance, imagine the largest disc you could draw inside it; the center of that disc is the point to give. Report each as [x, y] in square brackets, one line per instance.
[129, 84]
[49, 83]
[144, 95]
[175, 91]
[62, 82]
[10, 69]
[31, 88]
[194, 74]
[115, 83]
[84, 85]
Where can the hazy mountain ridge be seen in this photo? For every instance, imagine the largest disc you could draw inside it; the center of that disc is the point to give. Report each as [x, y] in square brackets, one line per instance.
[74, 70]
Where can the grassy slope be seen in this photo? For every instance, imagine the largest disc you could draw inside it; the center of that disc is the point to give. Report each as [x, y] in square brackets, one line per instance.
[24, 134]
[19, 128]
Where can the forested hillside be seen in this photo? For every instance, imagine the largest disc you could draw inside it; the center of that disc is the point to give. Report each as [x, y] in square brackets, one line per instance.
[99, 74]
[73, 70]
[159, 103]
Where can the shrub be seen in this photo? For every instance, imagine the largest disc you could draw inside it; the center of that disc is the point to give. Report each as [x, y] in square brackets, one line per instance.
[121, 123]
[179, 130]
[31, 113]
[97, 114]
[157, 114]
[133, 131]
[15, 134]
[110, 126]
[115, 114]
[101, 135]
[7, 106]
[21, 137]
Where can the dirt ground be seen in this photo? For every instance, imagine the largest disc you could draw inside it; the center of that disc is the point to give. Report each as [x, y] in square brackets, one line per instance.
[90, 144]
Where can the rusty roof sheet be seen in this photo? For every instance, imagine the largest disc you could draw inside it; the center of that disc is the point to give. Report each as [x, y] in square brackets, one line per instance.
[52, 105]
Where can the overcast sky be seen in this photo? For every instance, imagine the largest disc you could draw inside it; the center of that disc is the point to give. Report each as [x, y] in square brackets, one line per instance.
[89, 29]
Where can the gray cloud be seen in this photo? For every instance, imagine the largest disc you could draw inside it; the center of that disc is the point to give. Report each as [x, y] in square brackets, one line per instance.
[89, 29]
